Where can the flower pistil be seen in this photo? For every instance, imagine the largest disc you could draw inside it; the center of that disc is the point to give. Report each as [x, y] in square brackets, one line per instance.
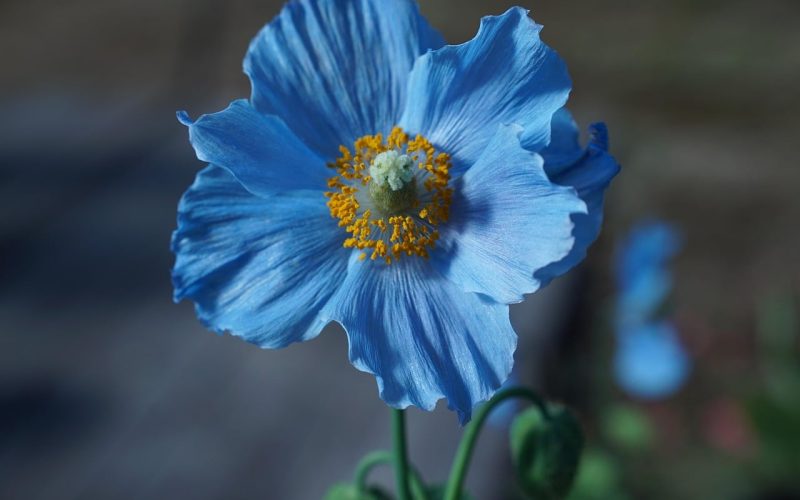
[375, 195]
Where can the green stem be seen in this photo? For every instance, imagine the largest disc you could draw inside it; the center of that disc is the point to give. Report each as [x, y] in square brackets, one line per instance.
[381, 457]
[366, 465]
[467, 445]
[400, 456]
[417, 488]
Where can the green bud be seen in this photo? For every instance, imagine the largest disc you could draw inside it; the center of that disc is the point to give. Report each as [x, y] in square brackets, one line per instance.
[546, 452]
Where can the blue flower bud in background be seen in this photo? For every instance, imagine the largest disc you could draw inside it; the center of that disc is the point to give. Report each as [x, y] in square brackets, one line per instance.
[650, 362]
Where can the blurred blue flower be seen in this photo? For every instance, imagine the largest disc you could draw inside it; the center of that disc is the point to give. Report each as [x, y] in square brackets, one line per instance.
[644, 280]
[417, 264]
[650, 361]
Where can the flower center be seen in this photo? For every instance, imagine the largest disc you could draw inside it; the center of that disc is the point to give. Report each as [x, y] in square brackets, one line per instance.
[377, 198]
[393, 169]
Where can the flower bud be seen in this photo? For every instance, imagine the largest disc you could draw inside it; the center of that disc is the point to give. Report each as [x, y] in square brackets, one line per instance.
[546, 451]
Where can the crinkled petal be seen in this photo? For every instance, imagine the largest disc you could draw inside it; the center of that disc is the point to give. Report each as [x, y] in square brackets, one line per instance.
[459, 94]
[335, 70]
[589, 171]
[564, 149]
[260, 268]
[259, 150]
[507, 221]
[421, 336]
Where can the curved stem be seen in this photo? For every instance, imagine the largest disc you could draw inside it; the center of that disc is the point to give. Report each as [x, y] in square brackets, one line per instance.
[383, 457]
[400, 457]
[417, 487]
[366, 465]
[467, 445]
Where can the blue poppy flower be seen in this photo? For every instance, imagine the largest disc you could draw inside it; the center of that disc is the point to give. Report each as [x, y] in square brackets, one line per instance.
[398, 186]
[650, 362]
[643, 278]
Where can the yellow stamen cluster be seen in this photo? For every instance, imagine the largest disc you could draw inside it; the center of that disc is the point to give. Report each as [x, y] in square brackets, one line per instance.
[388, 236]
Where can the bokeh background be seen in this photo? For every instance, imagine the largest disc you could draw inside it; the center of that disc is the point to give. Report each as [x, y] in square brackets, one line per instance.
[109, 390]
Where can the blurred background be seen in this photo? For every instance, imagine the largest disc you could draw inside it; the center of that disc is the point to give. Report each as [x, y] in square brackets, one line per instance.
[109, 390]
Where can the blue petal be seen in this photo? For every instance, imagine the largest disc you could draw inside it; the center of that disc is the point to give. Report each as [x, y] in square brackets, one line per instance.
[458, 95]
[260, 151]
[564, 149]
[650, 362]
[261, 268]
[421, 336]
[589, 171]
[507, 221]
[335, 70]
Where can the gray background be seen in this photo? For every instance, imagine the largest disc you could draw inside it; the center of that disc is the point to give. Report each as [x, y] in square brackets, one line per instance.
[108, 390]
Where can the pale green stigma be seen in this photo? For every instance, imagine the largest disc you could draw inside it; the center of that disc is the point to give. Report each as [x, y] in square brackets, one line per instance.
[392, 186]
[392, 168]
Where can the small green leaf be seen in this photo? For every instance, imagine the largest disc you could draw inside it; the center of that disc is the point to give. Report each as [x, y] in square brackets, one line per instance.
[546, 452]
[349, 491]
